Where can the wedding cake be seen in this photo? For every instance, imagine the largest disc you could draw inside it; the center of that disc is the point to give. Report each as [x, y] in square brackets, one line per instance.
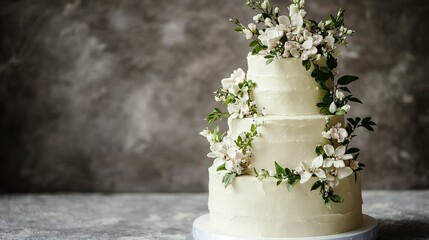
[285, 167]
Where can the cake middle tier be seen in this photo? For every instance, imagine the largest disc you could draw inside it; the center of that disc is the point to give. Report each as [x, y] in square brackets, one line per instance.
[287, 140]
[283, 87]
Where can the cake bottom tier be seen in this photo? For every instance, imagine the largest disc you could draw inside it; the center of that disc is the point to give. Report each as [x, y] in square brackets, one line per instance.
[260, 208]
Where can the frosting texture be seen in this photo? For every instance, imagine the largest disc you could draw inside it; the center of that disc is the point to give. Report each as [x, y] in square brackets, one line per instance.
[284, 87]
[256, 207]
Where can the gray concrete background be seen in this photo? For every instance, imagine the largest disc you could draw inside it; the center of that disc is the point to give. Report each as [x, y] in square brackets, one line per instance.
[110, 95]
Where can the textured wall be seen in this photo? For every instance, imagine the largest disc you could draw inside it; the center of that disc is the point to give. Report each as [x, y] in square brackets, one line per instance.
[110, 95]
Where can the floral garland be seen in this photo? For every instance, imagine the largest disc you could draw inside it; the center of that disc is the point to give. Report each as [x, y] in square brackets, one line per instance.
[232, 154]
[316, 44]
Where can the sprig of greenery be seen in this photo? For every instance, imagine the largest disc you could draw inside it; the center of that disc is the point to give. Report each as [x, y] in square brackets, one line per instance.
[286, 175]
[327, 193]
[217, 136]
[215, 115]
[228, 178]
[245, 142]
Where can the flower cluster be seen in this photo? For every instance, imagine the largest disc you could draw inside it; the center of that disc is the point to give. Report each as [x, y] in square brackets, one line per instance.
[292, 35]
[231, 154]
[335, 133]
[236, 94]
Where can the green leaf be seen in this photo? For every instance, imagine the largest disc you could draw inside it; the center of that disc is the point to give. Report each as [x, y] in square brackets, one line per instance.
[221, 167]
[254, 43]
[347, 79]
[369, 128]
[340, 112]
[279, 182]
[269, 61]
[336, 198]
[253, 128]
[306, 64]
[268, 56]
[238, 29]
[352, 150]
[345, 89]
[316, 185]
[319, 150]
[228, 178]
[332, 62]
[353, 99]
[279, 170]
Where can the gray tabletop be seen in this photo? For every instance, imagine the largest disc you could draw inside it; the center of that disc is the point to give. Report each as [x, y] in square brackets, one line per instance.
[401, 215]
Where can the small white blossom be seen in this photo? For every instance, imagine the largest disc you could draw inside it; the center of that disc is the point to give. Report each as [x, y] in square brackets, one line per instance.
[337, 133]
[354, 164]
[252, 27]
[231, 84]
[248, 33]
[205, 133]
[276, 10]
[314, 169]
[332, 107]
[268, 22]
[271, 36]
[336, 156]
[329, 42]
[257, 18]
[271, 173]
[265, 5]
[346, 108]
[339, 94]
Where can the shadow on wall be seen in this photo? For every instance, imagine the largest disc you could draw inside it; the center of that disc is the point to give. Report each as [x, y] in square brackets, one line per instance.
[110, 95]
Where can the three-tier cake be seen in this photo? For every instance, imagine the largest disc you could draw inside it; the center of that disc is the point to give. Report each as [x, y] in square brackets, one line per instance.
[285, 167]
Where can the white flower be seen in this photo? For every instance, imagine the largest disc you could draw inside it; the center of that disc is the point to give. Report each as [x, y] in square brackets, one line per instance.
[314, 169]
[257, 18]
[304, 57]
[231, 84]
[252, 27]
[284, 20]
[205, 133]
[346, 108]
[354, 164]
[336, 132]
[335, 157]
[329, 41]
[332, 107]
[350, 31]
[297, 17]
[265, 5]
[339, 94]
[248, 33]
[276, 10]
[271, 36]
[268, 22]
[271, 173]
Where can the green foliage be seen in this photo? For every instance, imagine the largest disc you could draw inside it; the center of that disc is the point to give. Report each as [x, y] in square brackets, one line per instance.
[347, 79]
[215, 115]
[228, 178]
[244, 143]
[285, 175]
[307, 64]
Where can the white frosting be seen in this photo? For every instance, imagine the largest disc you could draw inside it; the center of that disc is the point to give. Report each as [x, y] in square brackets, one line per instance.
[283, 87]
[285, 139]
[256, 207]
[289, 134]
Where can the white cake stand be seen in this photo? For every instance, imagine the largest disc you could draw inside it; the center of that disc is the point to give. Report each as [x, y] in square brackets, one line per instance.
[368, 231]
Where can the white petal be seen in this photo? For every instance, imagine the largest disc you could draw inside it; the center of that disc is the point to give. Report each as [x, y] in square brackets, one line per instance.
[308, 44]
[218, 161]
[339, 164]
[320, 174]
[232, 152]
[340, 150]
[347, 157]
[305, 176]
[284, 20]
[317, 162]
[344, 172]
[332, 107]
[297, 20]
[329, 149]
[228, 165]
[328, 162]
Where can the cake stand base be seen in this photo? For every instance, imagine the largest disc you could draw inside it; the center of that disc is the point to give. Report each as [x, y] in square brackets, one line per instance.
[368, 231]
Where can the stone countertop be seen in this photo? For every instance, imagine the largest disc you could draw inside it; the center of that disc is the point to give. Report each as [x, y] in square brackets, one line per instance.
[401, 215]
